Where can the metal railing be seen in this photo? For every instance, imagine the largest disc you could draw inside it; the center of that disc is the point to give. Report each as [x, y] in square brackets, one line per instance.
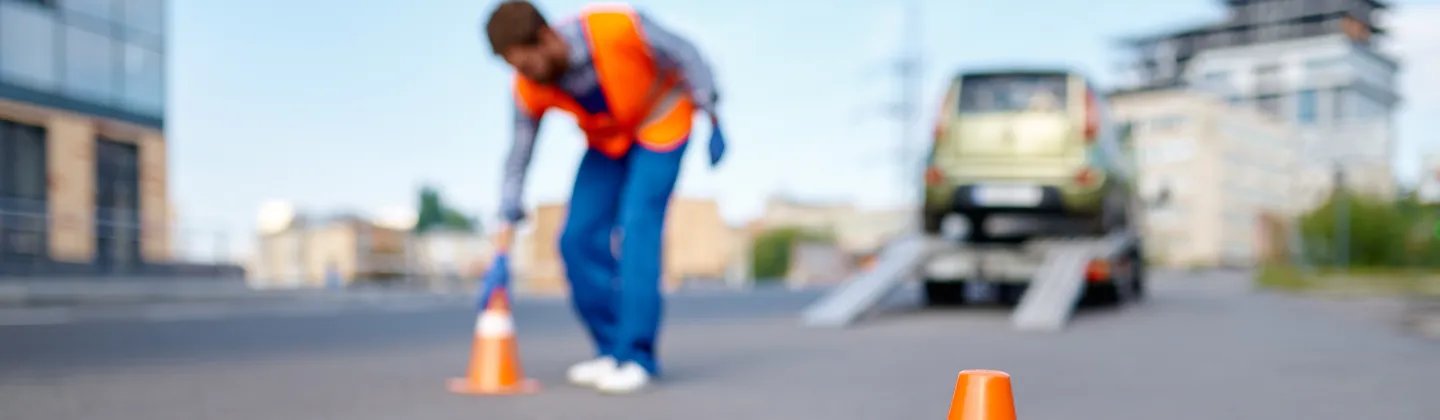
[39, 240]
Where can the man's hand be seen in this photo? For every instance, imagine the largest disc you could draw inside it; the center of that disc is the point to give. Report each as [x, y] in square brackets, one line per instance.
[503, 238]
[717, 142]
[512, 211]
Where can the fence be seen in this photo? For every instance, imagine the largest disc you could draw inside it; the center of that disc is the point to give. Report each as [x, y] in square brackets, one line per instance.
[33, 237]
[1350, 231]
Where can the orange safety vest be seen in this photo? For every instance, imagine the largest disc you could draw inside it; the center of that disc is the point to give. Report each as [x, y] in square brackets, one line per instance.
[643, 103]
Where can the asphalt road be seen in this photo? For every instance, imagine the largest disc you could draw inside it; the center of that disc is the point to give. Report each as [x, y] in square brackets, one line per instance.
[1201, 348]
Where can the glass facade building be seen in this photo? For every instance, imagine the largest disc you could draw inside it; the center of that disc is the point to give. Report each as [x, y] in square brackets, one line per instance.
[98, 57]
[83, 186]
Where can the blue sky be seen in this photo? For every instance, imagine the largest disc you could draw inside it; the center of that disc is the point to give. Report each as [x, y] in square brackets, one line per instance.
[350, 105]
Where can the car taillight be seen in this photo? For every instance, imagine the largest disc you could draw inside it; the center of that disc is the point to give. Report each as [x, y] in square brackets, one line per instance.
[933, 176]
[940, 115]
[1085, 177]
[1092, 116]
[1097, 271]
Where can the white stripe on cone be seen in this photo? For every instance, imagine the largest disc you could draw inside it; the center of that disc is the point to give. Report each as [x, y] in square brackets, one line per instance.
[494, 324]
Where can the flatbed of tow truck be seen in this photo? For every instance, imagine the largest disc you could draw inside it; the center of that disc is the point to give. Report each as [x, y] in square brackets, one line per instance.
[1045, 277]
[1113, 273]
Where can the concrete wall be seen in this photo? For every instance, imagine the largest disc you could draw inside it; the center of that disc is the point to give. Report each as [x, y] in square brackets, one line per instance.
[442, 253]
[1174, 158]
[277, 262]
[70, 149]
[698, 243]
[335, 244]
[780, 212]
[856, 231]
[544, 272]
[1223, 167]
[302, 256]
[818, 264]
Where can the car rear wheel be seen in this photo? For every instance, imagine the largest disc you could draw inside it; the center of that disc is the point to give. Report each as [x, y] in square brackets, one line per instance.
[932, 222]
[1010, 294]
[1102, 294]
[944, 293]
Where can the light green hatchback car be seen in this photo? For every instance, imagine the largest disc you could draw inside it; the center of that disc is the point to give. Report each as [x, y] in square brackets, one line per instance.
[1037, 143]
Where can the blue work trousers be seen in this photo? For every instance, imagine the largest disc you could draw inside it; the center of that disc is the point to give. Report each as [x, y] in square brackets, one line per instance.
[618, 297]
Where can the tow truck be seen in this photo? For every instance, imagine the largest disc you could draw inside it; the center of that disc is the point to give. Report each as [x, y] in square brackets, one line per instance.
[1030, 191]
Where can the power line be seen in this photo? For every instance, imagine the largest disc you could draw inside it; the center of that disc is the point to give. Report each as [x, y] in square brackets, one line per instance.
[909, 67]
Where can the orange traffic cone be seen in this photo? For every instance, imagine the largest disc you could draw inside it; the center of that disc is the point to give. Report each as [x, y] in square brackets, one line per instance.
[494, 358]
[982, 395]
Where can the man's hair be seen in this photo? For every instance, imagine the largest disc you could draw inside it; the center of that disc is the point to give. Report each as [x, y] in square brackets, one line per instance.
[514, 23]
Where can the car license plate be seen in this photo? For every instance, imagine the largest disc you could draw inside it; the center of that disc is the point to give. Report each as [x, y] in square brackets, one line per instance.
[950, 267]
[1007, 195]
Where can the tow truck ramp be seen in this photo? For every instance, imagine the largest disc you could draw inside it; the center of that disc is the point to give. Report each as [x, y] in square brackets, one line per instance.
[1053, 292]
[1060, 282]
[898, 262]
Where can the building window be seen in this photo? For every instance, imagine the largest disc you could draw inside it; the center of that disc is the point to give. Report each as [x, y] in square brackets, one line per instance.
[1168, 152]
[143, 87]
[1268, 104]
[1216, 81]
[1012, 92]
[95, 9]
[1168, 122]
[89, 65]
[1339, 110]
[24, 193]
[1323, 63]
[1268, 78]
[48, 4]
[1305, 107]
[27, 45]
[117, 205]
[22, 148]
[146, 16]
[1365, 107]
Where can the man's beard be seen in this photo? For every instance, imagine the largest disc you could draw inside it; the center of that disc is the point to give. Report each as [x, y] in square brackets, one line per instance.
[557, 69]
[549, 78]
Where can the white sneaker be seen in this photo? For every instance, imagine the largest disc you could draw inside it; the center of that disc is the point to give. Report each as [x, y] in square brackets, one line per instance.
[628, 378]
[588, 372]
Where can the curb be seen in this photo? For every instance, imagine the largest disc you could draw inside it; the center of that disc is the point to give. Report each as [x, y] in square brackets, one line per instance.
[52, 298]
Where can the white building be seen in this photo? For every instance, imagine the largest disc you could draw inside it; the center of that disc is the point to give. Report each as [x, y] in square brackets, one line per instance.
[1313, 63]
[1340, 96]
[1218, 169]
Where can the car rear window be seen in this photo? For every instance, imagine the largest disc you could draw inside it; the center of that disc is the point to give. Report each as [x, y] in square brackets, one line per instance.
[1012, 92]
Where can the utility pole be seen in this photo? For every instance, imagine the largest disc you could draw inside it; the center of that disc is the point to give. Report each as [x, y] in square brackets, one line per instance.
[1342, 219]
[909, 68]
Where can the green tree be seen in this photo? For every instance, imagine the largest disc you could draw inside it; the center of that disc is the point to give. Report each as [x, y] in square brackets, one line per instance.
[455, 220]
[770, 256]
[434, 213]
[1382, 233]
[431, 211]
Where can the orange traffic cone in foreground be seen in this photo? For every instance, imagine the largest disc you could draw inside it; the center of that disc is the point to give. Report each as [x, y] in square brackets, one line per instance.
[494, 358]
[982, 395]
